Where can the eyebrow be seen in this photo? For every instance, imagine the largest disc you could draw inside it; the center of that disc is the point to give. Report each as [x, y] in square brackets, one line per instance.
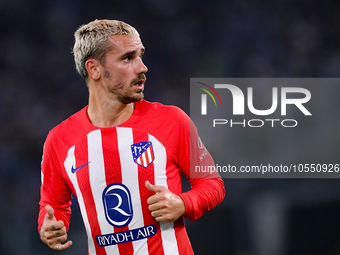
[133, 52]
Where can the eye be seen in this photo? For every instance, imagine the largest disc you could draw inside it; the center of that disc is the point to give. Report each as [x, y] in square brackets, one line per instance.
[127, 59]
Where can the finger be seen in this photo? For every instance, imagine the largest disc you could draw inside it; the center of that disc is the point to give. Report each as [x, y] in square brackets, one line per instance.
[162, 218]
[157, 213]
[154, 188]
[61, 247]
[52, 232]
[49, 212]
[152, 200]
[56, 226]
[154, 207]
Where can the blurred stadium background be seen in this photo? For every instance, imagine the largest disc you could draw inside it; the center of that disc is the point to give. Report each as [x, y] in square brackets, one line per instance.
[193, 38]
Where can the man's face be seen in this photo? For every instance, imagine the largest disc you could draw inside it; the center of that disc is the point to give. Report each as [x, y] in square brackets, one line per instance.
[124, 71]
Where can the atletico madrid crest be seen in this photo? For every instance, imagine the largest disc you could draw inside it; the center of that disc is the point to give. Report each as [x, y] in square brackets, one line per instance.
[142, 153]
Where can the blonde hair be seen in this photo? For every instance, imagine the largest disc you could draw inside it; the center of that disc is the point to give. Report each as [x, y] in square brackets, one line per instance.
[91, 41]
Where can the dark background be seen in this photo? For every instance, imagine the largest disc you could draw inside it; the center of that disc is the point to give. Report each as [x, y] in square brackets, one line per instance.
[253, 38]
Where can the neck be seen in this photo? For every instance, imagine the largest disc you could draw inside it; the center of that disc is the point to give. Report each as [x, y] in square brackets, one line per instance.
[108, 113]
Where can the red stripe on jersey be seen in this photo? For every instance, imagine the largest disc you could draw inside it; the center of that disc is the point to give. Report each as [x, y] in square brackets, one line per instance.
[110, 151]
[124, 248]
[183, 242]
[113, 171]
[141, 160]
[81, 157]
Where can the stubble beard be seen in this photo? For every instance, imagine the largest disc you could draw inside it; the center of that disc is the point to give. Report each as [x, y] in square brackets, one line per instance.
[129, 95]
[129, 98]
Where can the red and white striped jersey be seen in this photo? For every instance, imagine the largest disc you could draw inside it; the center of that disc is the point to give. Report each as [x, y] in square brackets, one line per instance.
[106, 168]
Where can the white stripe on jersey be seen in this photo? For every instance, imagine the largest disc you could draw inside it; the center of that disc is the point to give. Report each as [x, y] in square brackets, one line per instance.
[98, 183]
[69, 162]
[167, 229]
[130, 179]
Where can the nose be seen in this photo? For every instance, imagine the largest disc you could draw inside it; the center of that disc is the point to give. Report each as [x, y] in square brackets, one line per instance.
[141, 67]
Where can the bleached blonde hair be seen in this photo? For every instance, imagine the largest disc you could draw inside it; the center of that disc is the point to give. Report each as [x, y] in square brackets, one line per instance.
[91, 41]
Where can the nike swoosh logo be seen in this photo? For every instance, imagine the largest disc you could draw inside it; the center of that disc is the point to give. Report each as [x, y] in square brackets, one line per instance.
[74, 170]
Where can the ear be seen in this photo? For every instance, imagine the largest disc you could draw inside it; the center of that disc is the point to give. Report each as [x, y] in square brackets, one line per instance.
[92, 67]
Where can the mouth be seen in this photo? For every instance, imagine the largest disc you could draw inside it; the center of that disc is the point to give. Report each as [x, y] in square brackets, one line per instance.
[140, 84]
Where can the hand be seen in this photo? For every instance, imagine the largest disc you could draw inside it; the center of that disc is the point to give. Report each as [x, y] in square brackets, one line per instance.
[165, 206]
[53, 232]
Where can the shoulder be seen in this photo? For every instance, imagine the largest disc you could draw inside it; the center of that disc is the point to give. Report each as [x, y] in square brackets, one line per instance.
[167, 111]
[68, 128]
[167, 120]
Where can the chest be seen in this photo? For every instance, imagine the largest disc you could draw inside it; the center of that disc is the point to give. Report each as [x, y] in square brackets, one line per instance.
[123, 155]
